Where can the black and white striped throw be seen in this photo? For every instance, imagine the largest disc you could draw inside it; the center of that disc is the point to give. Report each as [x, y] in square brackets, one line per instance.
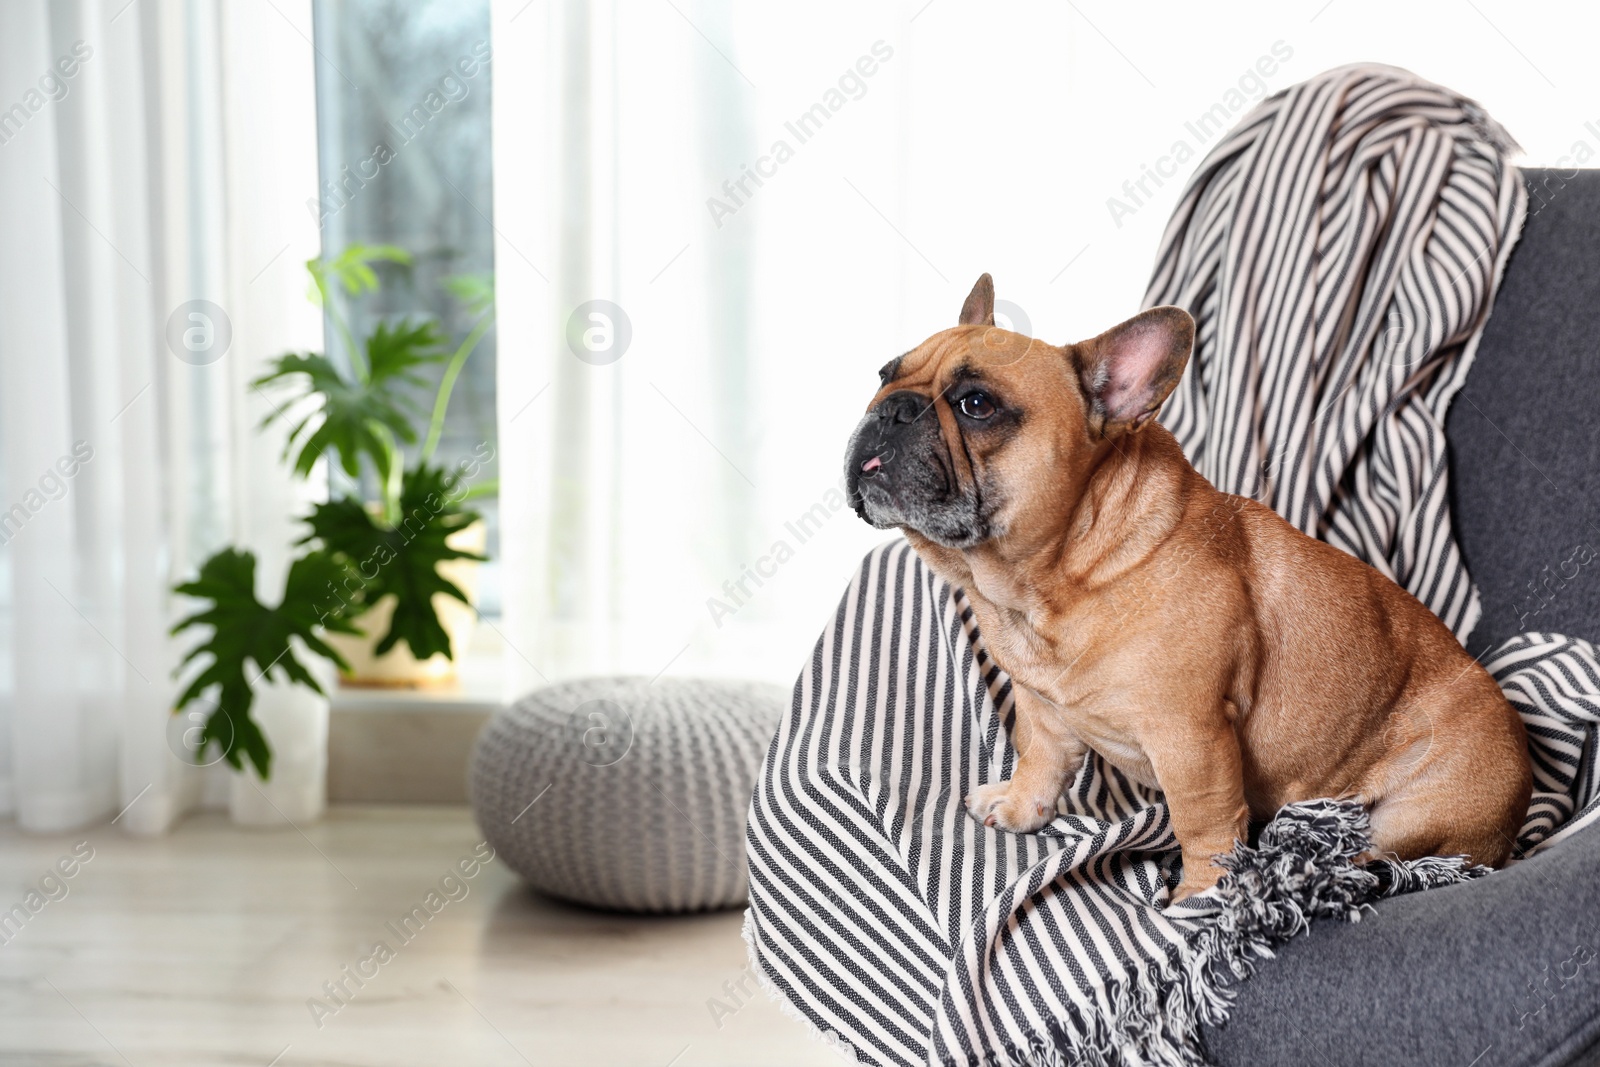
[1339, 251]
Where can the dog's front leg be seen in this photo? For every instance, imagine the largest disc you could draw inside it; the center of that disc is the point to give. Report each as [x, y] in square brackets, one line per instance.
[1199, 768]
[1048, 753]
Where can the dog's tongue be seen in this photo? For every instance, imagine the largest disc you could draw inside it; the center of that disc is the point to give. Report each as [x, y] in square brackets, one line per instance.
[872, 464]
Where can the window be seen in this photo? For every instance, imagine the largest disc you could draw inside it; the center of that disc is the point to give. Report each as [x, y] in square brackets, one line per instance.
[403, 132]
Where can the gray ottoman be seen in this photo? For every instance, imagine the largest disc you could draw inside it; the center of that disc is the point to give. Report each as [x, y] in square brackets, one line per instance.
[622, 794]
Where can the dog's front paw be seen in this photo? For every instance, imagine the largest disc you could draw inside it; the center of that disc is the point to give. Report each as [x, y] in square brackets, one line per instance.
[1003, 805]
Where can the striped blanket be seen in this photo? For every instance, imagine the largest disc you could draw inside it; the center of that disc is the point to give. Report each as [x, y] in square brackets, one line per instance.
[1339, 252]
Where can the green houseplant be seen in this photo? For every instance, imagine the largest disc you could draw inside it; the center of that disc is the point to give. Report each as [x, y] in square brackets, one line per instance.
[384, 546]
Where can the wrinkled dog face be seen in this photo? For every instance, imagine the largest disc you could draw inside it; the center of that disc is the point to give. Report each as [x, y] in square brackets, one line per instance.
[979, 430]
[925, 454]
[902, 472]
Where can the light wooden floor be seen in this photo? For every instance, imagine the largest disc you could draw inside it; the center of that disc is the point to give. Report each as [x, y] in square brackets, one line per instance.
[204, 947]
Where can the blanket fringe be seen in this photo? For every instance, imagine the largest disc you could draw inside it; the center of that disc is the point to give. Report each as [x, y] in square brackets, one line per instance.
[1144, 1020]
[1303, 867]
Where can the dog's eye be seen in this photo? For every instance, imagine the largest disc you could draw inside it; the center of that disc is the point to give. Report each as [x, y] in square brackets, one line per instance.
[977, 406]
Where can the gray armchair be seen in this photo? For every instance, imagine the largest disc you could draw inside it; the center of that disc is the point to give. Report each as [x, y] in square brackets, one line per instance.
[1504, 971]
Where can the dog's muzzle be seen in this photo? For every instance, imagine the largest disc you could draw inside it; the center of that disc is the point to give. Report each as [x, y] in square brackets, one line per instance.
[872, 460]
[899, 473]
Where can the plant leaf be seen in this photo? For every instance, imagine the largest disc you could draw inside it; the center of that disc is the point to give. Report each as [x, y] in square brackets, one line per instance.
[475, 291]
[247, 638]
[354, 414]
[402, 561]
[352, 268]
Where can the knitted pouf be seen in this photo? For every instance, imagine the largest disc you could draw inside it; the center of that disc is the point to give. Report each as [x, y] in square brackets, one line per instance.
[625, 794]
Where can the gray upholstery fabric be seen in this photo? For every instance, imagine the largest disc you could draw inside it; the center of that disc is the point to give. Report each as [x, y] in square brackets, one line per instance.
[1525, 430]
[619, 793]
[1469, 974]
[1504, 971]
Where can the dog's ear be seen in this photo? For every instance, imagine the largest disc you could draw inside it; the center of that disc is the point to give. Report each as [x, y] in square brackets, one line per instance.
[979, 308]
[1130, 369]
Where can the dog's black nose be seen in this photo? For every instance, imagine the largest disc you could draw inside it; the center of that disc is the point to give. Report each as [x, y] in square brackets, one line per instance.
[901, 407]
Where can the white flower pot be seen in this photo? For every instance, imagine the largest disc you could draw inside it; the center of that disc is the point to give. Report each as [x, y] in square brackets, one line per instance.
[398, 667]
[295, 722]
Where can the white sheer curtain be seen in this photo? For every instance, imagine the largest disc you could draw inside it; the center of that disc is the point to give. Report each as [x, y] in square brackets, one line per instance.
[162, 153]
[655, 506]
[635, 486]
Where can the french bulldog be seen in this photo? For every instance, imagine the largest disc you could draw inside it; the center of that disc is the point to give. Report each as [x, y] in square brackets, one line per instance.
[1194, 639]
